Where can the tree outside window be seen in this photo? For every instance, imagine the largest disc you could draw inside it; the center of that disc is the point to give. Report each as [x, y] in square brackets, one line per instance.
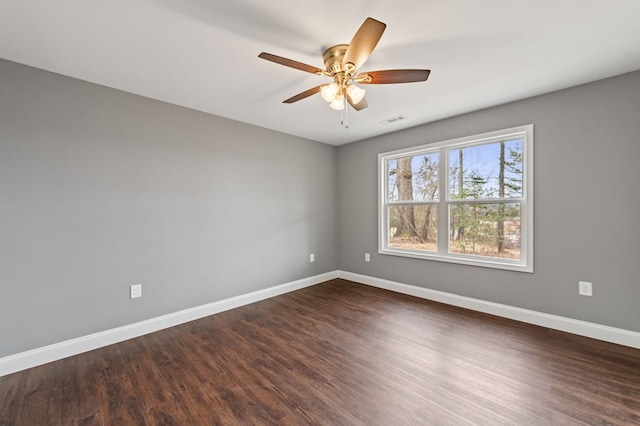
[467, 200]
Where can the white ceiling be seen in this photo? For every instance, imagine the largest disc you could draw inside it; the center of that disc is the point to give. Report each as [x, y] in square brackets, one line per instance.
[203, 54]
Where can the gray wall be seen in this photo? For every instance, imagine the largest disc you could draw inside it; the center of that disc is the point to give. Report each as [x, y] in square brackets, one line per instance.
[587, 205]
[100, 189]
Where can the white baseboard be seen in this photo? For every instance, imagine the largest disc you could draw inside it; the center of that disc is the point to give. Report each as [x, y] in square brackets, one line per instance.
[582, 328]
[56, 351]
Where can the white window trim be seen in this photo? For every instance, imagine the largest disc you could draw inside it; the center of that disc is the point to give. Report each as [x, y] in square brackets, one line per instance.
[525, 264]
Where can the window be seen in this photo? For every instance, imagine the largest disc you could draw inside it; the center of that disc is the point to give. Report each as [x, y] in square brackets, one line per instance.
[468, 200]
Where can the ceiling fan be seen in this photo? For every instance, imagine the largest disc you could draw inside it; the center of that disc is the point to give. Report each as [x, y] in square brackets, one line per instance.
[342, 62]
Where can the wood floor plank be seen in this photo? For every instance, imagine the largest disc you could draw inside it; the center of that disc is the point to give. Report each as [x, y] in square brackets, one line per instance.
[338, 353]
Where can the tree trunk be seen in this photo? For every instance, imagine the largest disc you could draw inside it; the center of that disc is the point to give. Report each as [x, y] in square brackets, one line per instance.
[404, 181]
[427, 224]
[501, 206]
[460, 235]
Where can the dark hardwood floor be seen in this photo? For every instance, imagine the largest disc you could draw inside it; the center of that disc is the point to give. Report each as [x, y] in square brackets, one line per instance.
[338, 353]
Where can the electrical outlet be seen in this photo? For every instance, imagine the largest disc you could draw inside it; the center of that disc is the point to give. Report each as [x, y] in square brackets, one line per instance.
[367, 257]
[135, 291]
[312, 258]
[585, 288]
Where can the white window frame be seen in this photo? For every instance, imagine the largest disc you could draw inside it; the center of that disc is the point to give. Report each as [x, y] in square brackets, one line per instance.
[525, 264]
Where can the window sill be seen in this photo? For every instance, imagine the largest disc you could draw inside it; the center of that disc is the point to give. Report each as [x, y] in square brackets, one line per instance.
[503, 264]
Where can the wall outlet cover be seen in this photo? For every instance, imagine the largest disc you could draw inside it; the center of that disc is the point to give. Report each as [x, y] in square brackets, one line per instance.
[135, 291]
[585, 288]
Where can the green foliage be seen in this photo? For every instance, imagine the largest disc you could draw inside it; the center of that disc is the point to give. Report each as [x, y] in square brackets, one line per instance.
[478, 228]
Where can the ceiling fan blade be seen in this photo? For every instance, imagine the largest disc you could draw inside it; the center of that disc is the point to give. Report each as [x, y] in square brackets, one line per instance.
[360, 105]
[289, 63]
[303, 95]
[363, 42]
[393, 76]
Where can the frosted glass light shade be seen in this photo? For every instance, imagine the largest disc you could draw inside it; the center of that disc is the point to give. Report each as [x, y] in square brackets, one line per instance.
[338, 102]
[355, 93]
[329, 92]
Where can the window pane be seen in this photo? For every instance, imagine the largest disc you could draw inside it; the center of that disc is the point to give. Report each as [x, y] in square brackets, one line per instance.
[492, 170]
[414, 226]
[413, 178]
[485, 229]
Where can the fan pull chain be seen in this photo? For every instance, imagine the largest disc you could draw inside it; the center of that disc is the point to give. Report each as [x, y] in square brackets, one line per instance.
[344, 119]
[346, 116]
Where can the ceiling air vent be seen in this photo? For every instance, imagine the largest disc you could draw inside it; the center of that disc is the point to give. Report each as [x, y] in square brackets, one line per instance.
[392, 119]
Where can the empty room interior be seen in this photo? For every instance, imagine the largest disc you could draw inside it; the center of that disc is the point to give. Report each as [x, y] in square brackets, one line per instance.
[338, 213]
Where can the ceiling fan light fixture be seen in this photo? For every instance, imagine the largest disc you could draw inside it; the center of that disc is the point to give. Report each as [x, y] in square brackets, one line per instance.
[329, 92]
[356, 94]
[338, 102]
[341, 65]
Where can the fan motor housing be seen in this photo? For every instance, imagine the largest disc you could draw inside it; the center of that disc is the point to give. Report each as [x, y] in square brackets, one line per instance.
[333, 57]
